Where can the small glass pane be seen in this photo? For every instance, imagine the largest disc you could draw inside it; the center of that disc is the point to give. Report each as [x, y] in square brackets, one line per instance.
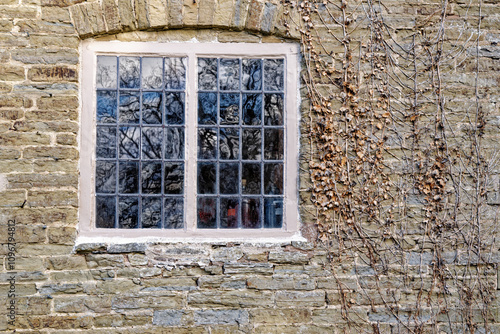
[151, 177]
[174, 108]
[207, 108]
[273, 144]
[229, 76]
[174, 178]
[229, 212]
[174, 143]
[274, 74]
[128, 214]
[229, 143]
[273, 212]
[106, 72]
[273, 179]
[152, 69]
[252, 74]
[174, 213]
[151, 212]
[129, 111]
[130, 68]
[250, 179]
[151, 108]
[128, 177]
[105, 211]
[251, 143]
[250, 213]
[129, 142]
[229, 109]
[175, 73]
[105, 177]
[152, 141]
[207, 73]
[228, 178]
[252, 109]
[106, 107]
[207, 143]
[206, 178]
[273, 109]
[207, 212]
[106, 142]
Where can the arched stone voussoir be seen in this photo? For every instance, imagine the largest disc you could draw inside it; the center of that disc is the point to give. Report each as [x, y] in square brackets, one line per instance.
[115, 16]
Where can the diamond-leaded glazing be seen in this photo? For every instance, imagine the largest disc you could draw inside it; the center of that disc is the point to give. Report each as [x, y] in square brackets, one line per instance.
[240, 143]
[139, 171]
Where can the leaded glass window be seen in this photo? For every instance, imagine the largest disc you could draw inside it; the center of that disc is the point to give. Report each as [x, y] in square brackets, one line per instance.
[189, 140]
[240, 142]
[139, 168]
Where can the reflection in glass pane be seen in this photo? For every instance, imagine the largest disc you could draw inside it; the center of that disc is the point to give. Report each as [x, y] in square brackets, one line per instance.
[273, 109]
[207, 141]
[250, 179]
[175, 73]
[273, 212]
[151, 108]
[273, 179]
[174, 143]
[229, 211]
[250, 213]
[229, 108]
[152, 140]
[106, 107]
[174, 108]
[207, 108]
[129, 107]
[152, 69]
[151, 177]
[106, 72]
[206, 178]
[252, 109]
[229, 74]
[252, 74]
[229, 143]
[129, 142]
[228, 178]
[207, 212]
[273, 144]
[105, 207]
[105, 177]
[151, 212]
[129, 72]
[273, 74]
[174, 212]
[128, 212]
[174, 178]
[106, 142]
[251, 143]
[128, 177]
[207, 73]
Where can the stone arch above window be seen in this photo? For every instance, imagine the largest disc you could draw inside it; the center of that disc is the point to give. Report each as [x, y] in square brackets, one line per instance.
[115, 16]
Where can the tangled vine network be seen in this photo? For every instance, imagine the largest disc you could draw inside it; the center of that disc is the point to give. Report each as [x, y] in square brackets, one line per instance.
[401, 159]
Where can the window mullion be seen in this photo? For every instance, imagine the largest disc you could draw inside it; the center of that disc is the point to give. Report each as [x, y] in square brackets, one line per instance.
[191, 145]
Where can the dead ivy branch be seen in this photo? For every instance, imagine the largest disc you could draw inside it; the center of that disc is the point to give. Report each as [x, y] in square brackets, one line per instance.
[400, 174]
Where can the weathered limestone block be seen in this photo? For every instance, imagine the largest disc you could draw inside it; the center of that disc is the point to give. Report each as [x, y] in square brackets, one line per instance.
[213, 317]
[206, 12]
[290, 299]
[254, 16]
[269, 17]
[223, 13]
[240, 14]
[111, 16]
[157, 10]
[95, 17]
[248, 268]
[288, 257]
[80, 20]
[127, 18]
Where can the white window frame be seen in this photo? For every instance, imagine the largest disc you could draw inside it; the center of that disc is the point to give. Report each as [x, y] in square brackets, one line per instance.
[91, 49]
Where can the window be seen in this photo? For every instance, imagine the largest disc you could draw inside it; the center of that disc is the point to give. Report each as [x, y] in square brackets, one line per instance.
[189, 139]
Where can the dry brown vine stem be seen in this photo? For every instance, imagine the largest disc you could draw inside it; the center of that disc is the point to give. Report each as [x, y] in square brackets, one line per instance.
[399, 174]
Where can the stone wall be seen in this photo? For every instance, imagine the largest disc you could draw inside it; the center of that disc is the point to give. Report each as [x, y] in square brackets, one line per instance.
[182, 287]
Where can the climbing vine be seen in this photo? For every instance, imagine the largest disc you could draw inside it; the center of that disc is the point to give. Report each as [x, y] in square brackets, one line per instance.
[399, 169]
